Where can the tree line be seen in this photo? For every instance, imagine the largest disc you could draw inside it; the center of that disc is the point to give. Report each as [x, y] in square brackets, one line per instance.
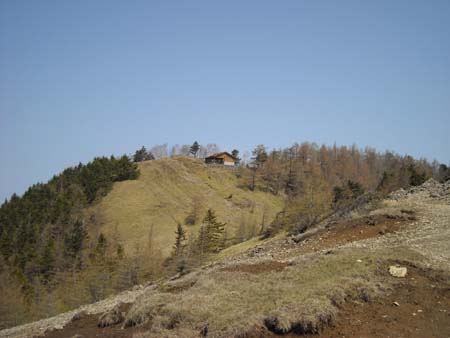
[318, 180]
[45, 228]
[44, 244]
[159, 151]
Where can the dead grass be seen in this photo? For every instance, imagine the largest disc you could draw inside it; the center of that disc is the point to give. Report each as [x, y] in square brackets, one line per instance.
[162, 196]
[112, 317]
[261, 267]
[300, 298]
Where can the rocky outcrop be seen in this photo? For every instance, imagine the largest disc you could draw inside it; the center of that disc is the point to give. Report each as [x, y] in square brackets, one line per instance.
[431, 188]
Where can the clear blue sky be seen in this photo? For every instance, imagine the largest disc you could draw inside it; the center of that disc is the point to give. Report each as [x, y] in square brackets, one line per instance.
[86, 78]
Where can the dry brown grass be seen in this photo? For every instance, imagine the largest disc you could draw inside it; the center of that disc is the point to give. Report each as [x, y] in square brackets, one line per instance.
[112, 317]
[163, 196]
[301, 298]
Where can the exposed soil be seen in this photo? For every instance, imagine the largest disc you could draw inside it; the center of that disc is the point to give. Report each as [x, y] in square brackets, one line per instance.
[347, 231]
[86, 326]
[423, 311]
[257, 268]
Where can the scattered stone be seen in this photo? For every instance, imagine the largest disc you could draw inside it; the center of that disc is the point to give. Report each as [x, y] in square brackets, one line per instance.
[359, 261]
[419, 310]
[397, 271]
[431, 187]
[396, 303]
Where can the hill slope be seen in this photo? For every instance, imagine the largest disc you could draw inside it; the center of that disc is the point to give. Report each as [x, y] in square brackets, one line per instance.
[163, 195]
[337, 276]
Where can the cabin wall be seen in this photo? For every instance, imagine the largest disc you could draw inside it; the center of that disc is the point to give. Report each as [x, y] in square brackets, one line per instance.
[223, 159]
[226, 158]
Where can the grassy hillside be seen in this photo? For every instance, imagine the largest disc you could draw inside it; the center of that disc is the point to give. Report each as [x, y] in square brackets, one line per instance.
[163, 195]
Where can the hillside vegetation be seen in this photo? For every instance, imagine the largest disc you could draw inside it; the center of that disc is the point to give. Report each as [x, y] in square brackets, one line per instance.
[165, 194]
[119, 237]
[335, 282]
[104, 227]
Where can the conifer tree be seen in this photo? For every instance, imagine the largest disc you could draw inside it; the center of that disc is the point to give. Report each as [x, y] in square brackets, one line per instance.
[214, 232]
[179, 258]
[180, 240]
[195, 147]
[260, 155]
[74, 240]
[47, 259]
[139, 155]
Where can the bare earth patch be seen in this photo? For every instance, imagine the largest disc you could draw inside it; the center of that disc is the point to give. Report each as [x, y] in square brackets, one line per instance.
[423, 310]
[86, 326]
[358, 229]
[262, 267]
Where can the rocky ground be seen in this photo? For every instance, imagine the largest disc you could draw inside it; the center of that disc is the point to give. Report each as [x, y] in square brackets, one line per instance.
[411, 226]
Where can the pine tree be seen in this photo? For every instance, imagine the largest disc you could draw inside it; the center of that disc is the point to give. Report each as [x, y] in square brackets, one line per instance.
[214, 232]
[179, 259]
[180, 240]
[260, 155]
[195, 147]
[47, 260]
[74, 241]
[142, 155]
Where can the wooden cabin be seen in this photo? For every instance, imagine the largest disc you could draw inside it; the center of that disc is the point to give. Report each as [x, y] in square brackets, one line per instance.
[223, 159]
